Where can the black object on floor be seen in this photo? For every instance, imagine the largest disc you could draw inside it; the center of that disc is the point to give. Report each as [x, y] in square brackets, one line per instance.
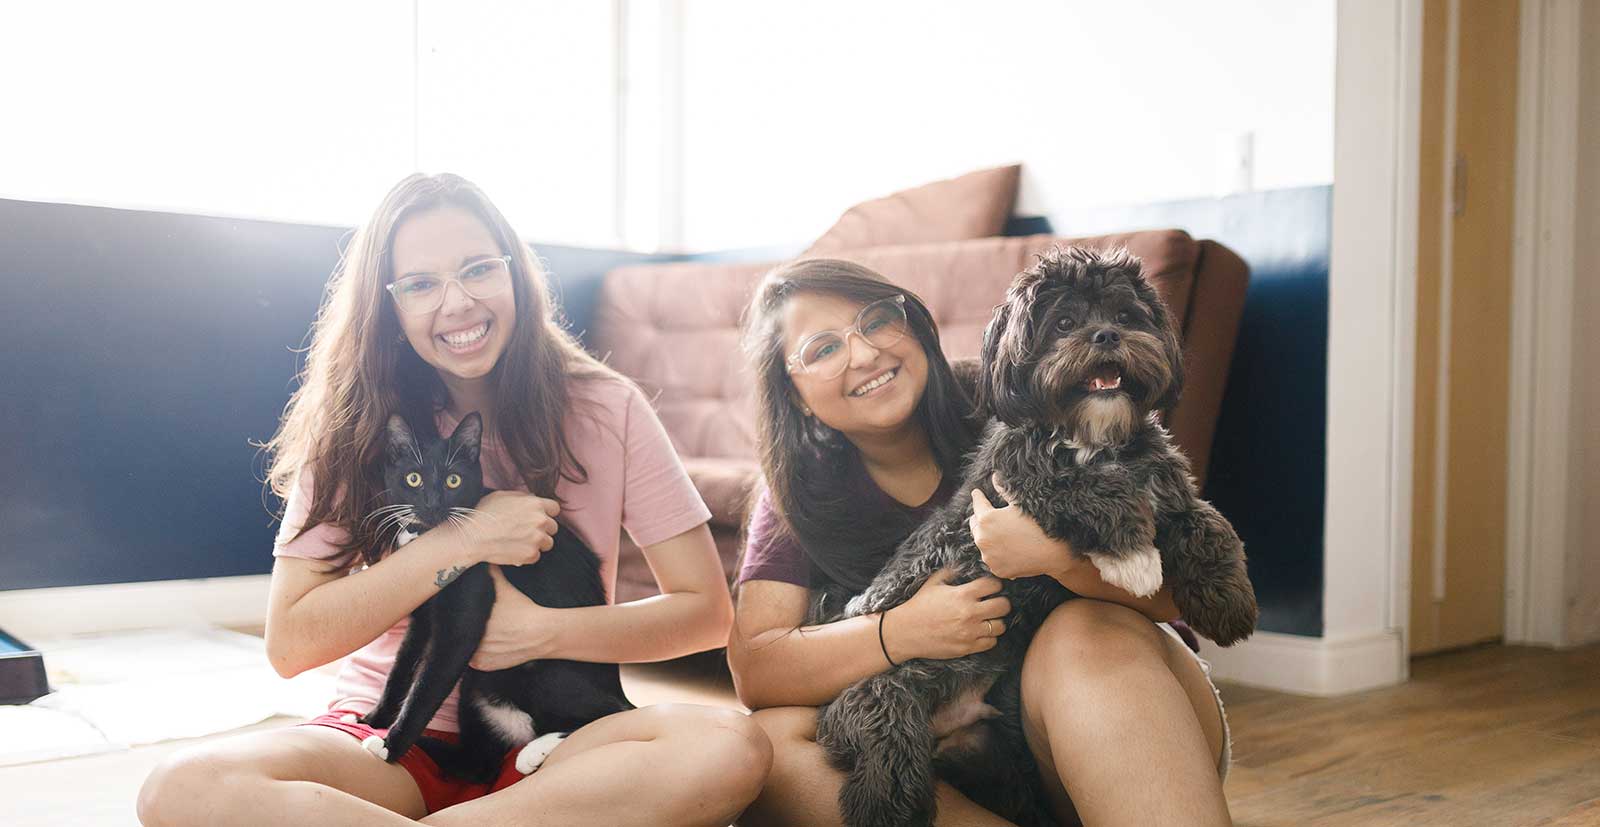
[21, 671]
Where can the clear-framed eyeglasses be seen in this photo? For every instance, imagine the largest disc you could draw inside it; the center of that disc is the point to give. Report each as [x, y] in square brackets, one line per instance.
[826, 354]
[424, 292]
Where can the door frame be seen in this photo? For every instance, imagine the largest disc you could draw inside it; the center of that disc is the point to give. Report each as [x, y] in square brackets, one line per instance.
[1539, 516]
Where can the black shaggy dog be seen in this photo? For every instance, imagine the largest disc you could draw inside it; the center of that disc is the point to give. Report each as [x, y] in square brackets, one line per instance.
[1076, 363]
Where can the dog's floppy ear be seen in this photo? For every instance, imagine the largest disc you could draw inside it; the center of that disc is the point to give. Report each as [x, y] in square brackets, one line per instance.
[1162, 316]
[988, 356]
[1002, 361]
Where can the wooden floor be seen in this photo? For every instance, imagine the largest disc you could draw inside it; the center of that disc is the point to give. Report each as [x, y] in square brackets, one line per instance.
[1500, 736]
[1496, 736]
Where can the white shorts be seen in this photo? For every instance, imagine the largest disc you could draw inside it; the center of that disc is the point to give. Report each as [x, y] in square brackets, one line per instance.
[1227, 735]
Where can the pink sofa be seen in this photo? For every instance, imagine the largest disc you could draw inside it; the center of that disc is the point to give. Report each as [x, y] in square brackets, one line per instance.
[674, 328]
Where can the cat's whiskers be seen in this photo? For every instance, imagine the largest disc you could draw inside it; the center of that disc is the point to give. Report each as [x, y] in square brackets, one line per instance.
[379, 513]
[470, 529]
[401, 518]
[475, 513]
[459, 515]
[456, 520]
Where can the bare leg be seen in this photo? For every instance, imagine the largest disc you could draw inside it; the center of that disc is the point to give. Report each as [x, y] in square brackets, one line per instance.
[319, 775]
[1122, 720]
[803, 788]
[670, 765]
[673, 764]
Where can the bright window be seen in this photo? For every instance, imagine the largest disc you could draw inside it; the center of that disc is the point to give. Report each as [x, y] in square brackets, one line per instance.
[307, 110]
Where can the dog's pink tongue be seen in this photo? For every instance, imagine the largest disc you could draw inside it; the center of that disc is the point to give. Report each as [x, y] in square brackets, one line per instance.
[1107, 379]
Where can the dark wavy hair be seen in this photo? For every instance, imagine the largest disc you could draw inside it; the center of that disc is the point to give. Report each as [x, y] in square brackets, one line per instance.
[809, 468]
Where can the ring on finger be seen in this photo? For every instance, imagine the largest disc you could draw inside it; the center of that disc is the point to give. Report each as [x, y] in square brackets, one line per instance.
[988, 626]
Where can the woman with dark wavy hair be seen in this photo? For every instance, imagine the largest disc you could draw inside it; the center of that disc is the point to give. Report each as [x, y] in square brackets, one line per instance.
[863, 427]
[439, 310]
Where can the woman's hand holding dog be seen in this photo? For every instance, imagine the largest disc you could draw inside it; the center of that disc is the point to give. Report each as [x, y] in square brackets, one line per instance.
[942, 621]
[1013, 545]
[512, 528]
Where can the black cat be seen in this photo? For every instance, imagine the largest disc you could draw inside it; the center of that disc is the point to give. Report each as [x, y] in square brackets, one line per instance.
[531, 706]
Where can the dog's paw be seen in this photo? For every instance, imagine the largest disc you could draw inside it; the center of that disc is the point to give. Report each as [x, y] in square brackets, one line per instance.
[856, 607]
[1138, 574]
[532, 756]
[374, 744]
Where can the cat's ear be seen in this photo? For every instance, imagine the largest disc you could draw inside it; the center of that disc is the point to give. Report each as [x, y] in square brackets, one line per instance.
[467, 437]
[401, 442]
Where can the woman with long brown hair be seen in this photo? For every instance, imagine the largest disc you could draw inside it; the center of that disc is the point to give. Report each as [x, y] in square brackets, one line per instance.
[863, 427]
[439, 310]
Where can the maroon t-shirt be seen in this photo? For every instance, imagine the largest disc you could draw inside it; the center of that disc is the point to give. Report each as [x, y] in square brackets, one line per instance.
[773, 554]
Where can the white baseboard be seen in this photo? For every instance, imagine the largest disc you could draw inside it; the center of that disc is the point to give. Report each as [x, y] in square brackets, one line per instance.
[1311, 665]
[49, 614]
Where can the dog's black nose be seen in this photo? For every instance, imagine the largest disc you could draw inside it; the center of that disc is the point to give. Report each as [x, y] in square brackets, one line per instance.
[1106, 337]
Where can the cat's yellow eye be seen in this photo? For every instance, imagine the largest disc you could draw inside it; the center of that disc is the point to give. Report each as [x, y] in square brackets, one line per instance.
[414, 480]
[452, 481]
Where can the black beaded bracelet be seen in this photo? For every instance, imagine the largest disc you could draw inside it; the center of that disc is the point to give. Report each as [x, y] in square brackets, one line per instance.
[884, 646]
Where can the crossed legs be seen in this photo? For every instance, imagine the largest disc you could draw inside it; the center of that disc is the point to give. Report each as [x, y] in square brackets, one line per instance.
[669, 764]
[1119, 715]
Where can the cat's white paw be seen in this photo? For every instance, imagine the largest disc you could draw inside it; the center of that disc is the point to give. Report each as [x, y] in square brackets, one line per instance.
[1138, 574]
[374, 745]
[350, 718]
[533, 755]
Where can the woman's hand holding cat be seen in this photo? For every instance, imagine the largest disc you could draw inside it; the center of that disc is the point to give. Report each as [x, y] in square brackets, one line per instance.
[512, 528]
[516, 629]
[942, 621]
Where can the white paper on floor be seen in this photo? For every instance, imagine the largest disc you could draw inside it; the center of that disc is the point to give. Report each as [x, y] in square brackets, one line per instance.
[33, 733]
[142, 687]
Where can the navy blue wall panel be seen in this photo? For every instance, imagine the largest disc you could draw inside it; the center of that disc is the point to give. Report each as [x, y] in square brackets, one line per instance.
[146, 351]
[1267, 471]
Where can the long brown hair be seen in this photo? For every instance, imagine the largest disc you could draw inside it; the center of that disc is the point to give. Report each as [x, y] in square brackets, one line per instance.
[358, 371]
[808, 466]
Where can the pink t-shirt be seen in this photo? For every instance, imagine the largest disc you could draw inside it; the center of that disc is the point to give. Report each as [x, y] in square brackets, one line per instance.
[635, 483]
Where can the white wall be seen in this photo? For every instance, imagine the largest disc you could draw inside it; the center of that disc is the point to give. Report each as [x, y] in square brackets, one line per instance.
[794, 111]
[309, 110]
[204, 106]
[742, 122]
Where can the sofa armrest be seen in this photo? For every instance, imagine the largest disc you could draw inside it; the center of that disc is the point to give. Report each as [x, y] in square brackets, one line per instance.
[1210, 328]
[726, 485]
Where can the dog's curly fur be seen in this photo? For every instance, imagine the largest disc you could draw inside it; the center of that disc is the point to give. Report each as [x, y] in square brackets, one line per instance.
[1076, 362]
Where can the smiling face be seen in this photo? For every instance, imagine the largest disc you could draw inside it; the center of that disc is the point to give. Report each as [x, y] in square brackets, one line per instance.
[878, 392]
[464, 337]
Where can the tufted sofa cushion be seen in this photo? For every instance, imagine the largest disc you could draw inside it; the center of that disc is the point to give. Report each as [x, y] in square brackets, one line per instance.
[975, 205]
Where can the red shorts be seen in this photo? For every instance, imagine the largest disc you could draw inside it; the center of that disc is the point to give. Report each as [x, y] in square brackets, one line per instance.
[438, 790]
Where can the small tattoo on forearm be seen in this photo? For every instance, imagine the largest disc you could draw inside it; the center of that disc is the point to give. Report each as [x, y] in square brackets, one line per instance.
[447, 576]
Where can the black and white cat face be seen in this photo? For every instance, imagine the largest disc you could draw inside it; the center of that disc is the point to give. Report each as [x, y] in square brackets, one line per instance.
[426, 482]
